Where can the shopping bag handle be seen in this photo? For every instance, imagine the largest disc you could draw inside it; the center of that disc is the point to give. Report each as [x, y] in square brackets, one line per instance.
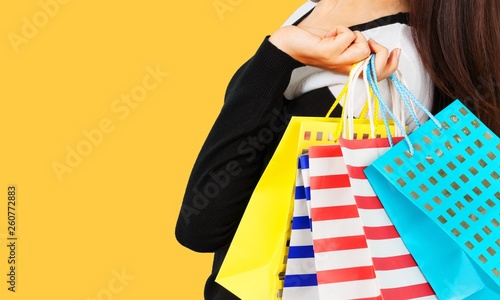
[371, 105]
[343, 97]
[405, 95]
[396, 79]
[349, 102]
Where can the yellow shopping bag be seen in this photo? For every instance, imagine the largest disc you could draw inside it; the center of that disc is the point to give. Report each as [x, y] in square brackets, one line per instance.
[256, 260]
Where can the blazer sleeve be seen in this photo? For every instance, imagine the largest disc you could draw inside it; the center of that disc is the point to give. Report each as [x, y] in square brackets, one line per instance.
[236, 151]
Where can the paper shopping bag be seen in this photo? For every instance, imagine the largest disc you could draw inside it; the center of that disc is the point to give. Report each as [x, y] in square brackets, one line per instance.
[397, 272]
[444, 199]
[300, 277]
[343, 261]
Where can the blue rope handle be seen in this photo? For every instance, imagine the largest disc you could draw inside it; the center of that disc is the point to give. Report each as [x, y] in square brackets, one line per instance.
[404, 93]
[403, 90]
[372, 79]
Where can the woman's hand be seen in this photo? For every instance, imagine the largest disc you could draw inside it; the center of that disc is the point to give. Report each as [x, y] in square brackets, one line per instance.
[336, 51]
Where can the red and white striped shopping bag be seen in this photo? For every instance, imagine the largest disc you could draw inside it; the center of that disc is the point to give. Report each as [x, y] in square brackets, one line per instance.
[343, 261]
[397, 273]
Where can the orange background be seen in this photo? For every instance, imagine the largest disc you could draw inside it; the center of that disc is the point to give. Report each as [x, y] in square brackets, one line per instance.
[99, 149]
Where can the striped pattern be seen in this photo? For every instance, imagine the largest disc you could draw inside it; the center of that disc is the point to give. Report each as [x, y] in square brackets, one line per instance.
[397, 273]
[300, 276]
[343, 261]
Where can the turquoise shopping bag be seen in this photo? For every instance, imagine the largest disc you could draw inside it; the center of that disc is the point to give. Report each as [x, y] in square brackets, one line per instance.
[442, 192]
[441, 189]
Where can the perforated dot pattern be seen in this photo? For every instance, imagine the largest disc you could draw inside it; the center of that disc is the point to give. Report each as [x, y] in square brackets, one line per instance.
[454, 178]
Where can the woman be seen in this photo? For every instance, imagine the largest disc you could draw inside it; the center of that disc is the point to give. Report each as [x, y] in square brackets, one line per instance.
[306, 62]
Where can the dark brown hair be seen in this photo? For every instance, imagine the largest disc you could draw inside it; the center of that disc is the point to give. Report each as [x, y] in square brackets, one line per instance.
[459, 43]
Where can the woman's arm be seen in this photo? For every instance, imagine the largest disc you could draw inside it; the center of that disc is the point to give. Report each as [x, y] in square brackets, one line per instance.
[232, 158]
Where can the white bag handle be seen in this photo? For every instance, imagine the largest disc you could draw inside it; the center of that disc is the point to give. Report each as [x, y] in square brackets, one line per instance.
[349, 101]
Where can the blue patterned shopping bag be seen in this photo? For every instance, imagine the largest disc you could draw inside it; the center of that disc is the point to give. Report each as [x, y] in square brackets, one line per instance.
[300, 276]
[442, 192]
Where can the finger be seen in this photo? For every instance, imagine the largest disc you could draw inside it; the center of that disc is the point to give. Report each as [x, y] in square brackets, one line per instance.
[392, 63]
[334, 32]
[337, 49]
[382, 60]
[358, 50]
[360, 45]
[330, 34]
[377, 48]
[360, 38]
[343, 37]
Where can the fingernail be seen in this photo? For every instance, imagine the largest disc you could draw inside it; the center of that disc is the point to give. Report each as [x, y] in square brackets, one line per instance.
[398, 53]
